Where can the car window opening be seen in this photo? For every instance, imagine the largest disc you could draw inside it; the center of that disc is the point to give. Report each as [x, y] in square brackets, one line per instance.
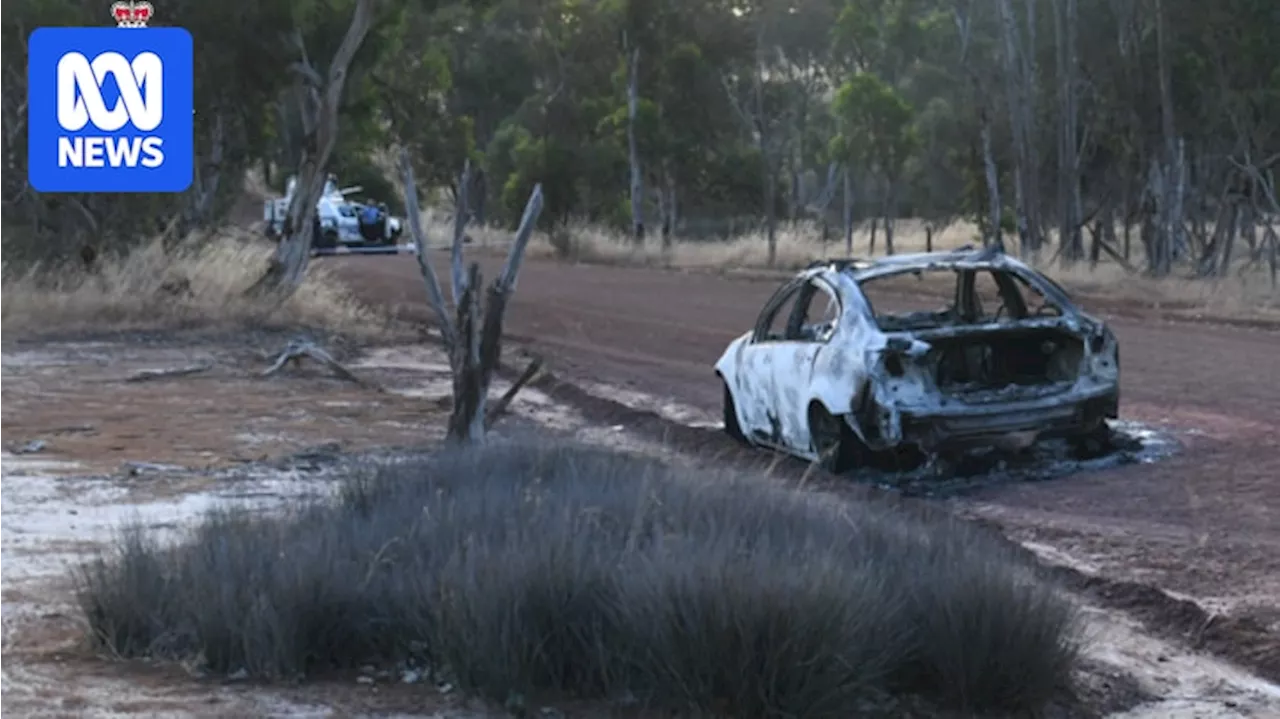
[948, 297]
[808, 313]
[998, 351]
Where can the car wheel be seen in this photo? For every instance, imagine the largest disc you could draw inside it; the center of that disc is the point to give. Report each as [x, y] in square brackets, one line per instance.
[731, 426]
[839, 449]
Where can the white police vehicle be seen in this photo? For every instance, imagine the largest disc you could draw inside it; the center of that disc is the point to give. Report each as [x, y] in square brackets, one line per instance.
[340, 222]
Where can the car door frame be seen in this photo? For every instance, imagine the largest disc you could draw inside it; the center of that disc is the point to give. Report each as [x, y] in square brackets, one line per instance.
[970, 304]
[752, 379]
[776, 372]
[793, 369]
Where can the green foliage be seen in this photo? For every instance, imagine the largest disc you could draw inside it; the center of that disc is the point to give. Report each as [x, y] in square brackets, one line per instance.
[875, 124]
[536, 92]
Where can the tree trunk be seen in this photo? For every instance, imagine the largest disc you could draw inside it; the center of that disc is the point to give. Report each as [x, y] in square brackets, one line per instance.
[995, 207]
[633, 155]
[322, 99]
[848, 212]
[771, 214]
[667, 200]
[1169, 200]
[480, 191]
[888, 211]
[1030, 84]
[1229, 240]
[801, 119]
[1069, 212]
[204, 188]
[1015, 87]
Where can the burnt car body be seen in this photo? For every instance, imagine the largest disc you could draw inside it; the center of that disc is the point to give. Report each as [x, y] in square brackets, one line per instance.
[830, 376]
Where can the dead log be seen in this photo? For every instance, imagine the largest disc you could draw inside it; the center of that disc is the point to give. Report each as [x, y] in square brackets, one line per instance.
[147, 375]
[297, 350]
[472, 337]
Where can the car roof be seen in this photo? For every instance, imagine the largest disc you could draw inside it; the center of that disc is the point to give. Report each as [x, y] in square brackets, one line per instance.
[960, 258]
[963, 258]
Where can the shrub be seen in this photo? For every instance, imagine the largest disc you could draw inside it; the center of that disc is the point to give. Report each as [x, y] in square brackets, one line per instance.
[530, 569]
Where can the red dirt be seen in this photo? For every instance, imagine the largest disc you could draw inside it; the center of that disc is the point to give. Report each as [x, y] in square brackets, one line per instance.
[100, 422]
[1205, 523]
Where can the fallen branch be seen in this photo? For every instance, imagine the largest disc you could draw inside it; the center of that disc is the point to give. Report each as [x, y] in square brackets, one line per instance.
[297, 350]
[147, 375]
[500, 407]
[1115, 255]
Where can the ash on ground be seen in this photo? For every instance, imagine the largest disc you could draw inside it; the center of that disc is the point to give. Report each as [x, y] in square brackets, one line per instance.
[1128, 442]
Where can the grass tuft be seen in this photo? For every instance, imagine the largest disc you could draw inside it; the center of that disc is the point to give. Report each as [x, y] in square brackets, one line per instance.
[551, 570]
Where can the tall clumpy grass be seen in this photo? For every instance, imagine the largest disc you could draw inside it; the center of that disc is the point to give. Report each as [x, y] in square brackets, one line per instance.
[549, 569]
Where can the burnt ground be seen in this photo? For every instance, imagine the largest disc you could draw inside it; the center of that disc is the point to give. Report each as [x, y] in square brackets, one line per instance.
[1190, 543]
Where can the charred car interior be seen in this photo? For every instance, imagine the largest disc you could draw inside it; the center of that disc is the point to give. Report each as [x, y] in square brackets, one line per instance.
[841, 364]
[1003, 357]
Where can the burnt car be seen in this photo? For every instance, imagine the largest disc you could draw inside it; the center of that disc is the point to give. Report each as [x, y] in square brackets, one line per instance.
[843, 362]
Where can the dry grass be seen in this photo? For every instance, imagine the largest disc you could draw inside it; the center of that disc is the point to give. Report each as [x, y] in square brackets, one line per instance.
[199, 285]
[1241, 294]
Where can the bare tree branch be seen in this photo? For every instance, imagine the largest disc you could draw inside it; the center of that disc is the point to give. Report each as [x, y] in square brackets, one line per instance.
[434, 296]
[507, 280]
[500, 407]
[461, 208]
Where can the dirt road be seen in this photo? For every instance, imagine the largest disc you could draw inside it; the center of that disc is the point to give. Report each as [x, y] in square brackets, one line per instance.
[1205, 523]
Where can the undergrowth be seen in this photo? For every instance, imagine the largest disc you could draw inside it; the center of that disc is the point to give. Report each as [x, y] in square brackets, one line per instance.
[199, 284]
[536, 570]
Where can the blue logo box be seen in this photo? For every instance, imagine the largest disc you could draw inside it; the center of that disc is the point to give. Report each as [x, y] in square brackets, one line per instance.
[110, 109]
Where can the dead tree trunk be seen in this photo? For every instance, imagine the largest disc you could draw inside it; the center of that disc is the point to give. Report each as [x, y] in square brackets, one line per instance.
[320, 98]
[473, 336]
[633, 154]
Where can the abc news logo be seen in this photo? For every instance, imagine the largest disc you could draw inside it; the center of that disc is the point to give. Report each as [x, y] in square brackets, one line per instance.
[110, 109]
[140, 103]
